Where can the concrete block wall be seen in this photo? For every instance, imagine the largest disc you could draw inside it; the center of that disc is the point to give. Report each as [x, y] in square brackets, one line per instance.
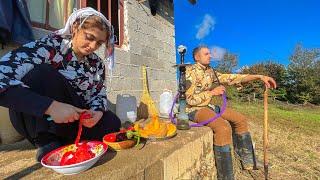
[148, 40]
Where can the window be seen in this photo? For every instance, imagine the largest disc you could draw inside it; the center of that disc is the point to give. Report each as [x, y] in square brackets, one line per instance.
[52, 14]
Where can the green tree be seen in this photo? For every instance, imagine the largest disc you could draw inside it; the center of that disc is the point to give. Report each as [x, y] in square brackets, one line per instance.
[303, 76]
[255, 89]
[228, 63]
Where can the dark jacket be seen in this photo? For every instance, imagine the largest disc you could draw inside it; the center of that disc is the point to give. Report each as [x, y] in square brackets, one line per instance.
[15, 22]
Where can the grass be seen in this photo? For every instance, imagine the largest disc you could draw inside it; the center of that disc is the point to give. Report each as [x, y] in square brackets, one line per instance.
[282, 110]
[305, 117]
[294, 151]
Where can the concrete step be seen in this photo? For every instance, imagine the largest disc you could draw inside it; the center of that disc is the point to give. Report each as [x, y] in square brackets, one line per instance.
[188, 155]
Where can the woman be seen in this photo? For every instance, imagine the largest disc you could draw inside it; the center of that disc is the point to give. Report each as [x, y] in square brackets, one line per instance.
[47, 83]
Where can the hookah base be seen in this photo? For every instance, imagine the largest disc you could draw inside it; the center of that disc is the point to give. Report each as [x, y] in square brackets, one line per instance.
[183, 126]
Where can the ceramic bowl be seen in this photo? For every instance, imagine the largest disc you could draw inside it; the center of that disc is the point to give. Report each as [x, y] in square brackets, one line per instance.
[52, 159]
[117, 146]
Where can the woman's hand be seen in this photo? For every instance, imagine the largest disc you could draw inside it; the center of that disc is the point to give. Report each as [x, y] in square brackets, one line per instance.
[269, 81]
[63, 113]
[95, 117]
[218, 90]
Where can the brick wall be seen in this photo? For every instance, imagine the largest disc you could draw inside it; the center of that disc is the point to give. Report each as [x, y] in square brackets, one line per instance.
[149, 40]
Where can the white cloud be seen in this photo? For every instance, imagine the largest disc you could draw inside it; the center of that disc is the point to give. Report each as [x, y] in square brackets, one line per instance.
[218, 53]
[206, 26]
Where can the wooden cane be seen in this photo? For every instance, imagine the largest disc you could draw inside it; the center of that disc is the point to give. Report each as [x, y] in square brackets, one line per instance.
[265, 133]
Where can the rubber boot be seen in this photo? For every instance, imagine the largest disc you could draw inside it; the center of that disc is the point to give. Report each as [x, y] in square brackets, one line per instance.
[244, 149]
[224, 164]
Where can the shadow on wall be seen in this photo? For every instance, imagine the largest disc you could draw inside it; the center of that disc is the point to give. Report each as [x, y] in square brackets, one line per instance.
[143, 111]
[161, 8]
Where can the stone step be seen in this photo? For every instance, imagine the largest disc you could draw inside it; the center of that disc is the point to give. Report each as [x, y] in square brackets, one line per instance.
[188, 155]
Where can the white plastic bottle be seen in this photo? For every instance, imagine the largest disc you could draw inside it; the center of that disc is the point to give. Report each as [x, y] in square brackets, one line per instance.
[166, 100]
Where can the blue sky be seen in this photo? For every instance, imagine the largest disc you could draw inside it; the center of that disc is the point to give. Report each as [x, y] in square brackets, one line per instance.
[255, 30]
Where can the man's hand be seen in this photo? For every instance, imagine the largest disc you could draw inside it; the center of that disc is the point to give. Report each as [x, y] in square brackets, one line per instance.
[218, 90]
[269, 82]
[63, 113]
[95, 118]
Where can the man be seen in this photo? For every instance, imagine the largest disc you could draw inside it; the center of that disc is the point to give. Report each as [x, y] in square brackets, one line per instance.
[202, 85]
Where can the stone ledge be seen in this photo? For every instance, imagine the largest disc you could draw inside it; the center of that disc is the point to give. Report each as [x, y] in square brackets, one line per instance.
[186, 156]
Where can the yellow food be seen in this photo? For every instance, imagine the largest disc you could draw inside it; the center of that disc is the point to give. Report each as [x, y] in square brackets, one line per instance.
[147, 108]
[171, 129]
[156, 128]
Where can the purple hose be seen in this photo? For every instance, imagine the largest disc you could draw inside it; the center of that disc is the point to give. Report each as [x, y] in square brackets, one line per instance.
[223, 108]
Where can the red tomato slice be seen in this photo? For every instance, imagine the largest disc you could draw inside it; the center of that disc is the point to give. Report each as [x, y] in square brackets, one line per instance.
[110, 137]
[131, 128]
[68, 158]
[83, 155]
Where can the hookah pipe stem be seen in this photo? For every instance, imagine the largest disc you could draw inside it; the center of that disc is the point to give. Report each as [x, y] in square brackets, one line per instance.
[215, 73]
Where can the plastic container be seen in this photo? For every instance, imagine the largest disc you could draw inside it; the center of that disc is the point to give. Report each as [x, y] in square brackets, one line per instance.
[132, 116]
[166, 100]
[126, 108]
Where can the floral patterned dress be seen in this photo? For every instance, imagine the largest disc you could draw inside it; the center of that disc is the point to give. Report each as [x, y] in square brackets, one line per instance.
[85, 76]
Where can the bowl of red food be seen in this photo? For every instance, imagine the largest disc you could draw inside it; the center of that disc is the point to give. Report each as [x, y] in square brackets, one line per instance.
[73, 159]
[122, 140]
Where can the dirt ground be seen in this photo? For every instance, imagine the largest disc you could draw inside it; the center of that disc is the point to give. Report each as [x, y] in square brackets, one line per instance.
[294, 151]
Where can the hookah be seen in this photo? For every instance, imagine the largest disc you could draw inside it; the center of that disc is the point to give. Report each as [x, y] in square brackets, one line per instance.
[182, 117]
[182, 120]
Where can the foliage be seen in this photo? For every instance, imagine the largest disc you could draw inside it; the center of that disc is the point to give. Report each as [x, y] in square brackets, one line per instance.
[255, 89]
[298, 83]
[228, 63]
[303, 76]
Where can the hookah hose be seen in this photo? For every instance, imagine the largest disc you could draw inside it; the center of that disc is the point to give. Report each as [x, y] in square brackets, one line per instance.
[200, 124]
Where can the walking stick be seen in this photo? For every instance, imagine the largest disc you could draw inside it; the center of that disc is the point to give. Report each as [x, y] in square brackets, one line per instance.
[265, 134]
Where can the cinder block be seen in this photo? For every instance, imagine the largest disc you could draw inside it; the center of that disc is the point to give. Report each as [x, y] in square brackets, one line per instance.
[121, 56]
[155, 171]
[137, 59]
[149, 52]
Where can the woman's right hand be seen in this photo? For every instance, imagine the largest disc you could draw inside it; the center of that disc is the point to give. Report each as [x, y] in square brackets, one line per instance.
[63, 113]
[218, 90]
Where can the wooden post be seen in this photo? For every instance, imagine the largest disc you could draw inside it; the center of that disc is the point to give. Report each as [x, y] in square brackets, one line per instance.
[265, 133]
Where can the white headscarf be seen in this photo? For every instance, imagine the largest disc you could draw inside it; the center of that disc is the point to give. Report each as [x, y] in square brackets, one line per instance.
[83, 14]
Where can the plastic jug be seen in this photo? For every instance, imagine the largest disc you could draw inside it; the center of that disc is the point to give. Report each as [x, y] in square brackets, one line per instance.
[166, 100]
[126, 107]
